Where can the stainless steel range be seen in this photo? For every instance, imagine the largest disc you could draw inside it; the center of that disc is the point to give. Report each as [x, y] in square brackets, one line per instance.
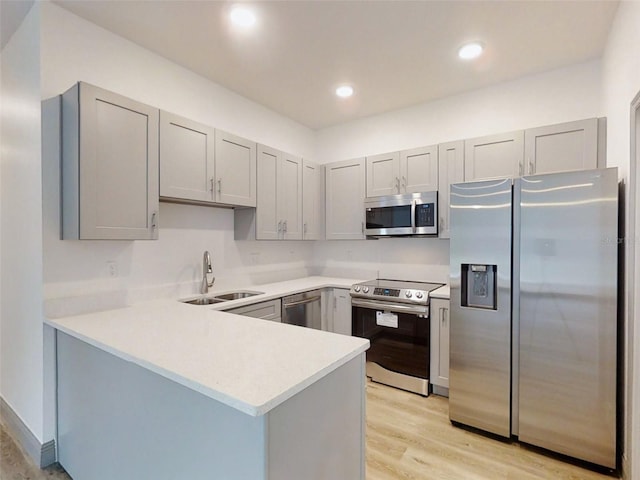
[394, 316]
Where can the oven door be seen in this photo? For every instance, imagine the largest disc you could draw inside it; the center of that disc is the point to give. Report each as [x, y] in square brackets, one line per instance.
[399, 336]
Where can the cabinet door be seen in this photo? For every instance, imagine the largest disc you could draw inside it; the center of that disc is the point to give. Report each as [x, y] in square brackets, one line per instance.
[450, 170]
[495, 156]
[110, 166]
[345, 200]
[439, 356]
[341, 318]
[290, 196]
[235, 170]
[419, 170]
[186, 159]
[563, 147]
[383, 174]
[311, 205]
[268, 222]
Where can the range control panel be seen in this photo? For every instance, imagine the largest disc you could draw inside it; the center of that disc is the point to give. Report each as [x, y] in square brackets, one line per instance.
[387, 292]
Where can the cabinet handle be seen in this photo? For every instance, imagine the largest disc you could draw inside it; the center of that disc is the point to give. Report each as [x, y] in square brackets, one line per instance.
[441, 224]
[362, 224]
[335, 303]
[154, 217]
[520, 169]
[531, 168]
[219, 185]
[398, 184]
[211, 184]
[279, 226]
[304, 227]
[284, 226]
[404, 184]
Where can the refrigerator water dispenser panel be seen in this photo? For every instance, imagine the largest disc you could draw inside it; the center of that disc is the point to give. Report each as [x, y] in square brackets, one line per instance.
[479, 286]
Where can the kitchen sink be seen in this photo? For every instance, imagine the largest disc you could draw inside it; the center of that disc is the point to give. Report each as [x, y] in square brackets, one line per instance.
[203, 301]
[237, 295]
[224, 297]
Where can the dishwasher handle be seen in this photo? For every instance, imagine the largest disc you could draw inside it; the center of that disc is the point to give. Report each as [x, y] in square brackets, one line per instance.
[300, 302]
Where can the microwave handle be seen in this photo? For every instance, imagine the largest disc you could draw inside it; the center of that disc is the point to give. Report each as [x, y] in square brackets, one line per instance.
[413, 216]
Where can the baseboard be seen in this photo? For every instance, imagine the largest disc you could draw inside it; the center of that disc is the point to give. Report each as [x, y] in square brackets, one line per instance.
[438, 390]
[42, 454]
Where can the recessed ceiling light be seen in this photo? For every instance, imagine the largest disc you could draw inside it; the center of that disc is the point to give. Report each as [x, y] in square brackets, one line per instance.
[344, 91]
[242, 17]
[470, 51]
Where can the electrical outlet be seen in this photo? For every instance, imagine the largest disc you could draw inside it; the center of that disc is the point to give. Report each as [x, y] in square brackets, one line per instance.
[112, 269]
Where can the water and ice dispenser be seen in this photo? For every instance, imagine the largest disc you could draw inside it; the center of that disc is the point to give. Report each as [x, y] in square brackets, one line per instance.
[479, 286]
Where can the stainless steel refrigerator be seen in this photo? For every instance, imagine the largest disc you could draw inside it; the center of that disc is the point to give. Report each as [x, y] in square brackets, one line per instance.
[534, 266]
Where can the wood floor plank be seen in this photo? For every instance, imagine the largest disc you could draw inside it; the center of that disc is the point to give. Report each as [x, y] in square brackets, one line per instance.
[409, 437]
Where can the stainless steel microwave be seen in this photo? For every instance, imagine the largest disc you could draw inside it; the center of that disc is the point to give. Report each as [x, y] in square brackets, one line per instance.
[402, 215]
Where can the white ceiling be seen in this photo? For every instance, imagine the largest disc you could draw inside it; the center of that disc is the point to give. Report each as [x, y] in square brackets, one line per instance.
[395, 53]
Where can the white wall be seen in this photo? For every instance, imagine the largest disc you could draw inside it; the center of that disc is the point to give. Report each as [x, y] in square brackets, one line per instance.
[621, 79]
[21, 383]
[570, 93]
[73, 267]
[566, 94]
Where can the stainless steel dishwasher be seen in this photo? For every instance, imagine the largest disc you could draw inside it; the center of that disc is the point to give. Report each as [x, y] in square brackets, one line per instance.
[303, 309]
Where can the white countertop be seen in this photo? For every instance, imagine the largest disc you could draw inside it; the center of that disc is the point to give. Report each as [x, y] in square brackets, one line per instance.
[249, 364]
[442, 292]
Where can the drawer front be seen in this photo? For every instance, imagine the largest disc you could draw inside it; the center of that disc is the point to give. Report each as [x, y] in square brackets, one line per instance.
[265, 310]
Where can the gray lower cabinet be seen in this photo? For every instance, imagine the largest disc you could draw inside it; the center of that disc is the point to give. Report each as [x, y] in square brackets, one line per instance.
[337, 311]
[439, 356]
[109, 166]
[269, 310]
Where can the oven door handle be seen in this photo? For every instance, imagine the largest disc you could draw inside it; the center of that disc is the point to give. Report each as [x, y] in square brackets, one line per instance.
[391, 307]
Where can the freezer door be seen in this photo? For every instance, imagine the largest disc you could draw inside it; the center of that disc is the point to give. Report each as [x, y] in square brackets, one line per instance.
[568, 321]
[480, 319]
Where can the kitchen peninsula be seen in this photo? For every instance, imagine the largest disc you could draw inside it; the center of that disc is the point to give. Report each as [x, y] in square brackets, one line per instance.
[167, 390]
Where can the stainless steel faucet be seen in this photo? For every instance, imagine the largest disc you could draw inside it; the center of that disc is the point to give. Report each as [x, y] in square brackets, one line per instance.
[206, 270]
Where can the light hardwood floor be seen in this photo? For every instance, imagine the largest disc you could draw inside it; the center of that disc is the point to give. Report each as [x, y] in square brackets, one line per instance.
[410, 437]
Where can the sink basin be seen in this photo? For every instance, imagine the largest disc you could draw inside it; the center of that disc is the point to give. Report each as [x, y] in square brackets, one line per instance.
[203, 301]
[236, 295]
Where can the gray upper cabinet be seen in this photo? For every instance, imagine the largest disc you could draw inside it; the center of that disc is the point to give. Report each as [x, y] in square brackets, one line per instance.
[199, 164]
[345, 193]
[409, 171]
[494, 156]
[450, 170]
[311, 200]
[186, 159]
[235, 159]
[563, 147]
[279, 204]
[419, 170]
[383, 174]
[109, 166]
[290, 196]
